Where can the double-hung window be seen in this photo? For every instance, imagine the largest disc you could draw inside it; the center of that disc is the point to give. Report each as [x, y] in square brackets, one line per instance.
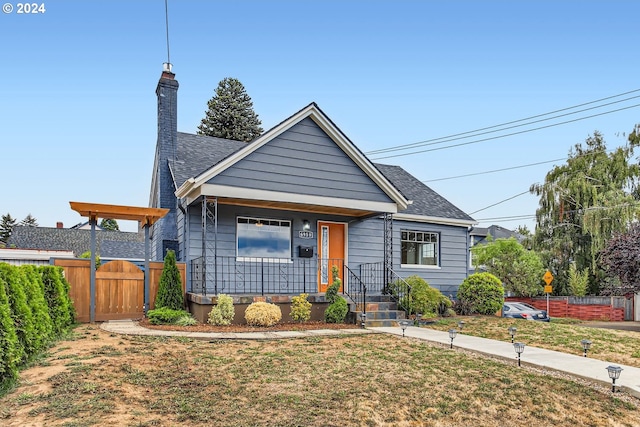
[263, 238]
[420, 248]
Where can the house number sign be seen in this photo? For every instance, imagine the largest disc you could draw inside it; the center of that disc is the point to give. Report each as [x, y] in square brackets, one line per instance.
[305, 234]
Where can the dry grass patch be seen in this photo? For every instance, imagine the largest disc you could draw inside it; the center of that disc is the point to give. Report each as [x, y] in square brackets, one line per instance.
[364, 380]
[560, 334]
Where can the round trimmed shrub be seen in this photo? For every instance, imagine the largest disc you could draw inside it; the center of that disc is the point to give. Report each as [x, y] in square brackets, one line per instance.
[262, 314]
[481, 293]
[425, 299]
[223, 312]
[337, 311]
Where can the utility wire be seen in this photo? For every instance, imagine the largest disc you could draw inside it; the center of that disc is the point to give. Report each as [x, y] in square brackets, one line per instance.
[495, 170]
[506, 135]
[500, 202]
[455, 136]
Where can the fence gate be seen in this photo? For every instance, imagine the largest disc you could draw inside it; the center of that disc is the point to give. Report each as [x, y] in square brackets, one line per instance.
[119, 291]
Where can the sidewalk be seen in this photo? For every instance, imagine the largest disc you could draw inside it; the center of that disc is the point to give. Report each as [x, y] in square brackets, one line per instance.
[584, 367]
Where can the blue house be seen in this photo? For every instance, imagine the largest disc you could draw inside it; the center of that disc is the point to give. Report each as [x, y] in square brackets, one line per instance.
[274, 216]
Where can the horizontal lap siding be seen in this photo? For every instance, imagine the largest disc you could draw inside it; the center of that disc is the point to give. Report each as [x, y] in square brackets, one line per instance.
[453, 256]
[303, 160]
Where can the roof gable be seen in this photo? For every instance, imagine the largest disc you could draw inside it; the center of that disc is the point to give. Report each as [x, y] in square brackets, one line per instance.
[311, 113]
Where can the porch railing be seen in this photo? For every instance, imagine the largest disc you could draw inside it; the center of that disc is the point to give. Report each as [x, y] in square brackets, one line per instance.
[383, 280]
[260, 276]
[357, 291]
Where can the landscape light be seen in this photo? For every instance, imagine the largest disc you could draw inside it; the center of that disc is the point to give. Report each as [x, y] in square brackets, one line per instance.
[403, 325]
[452, 335]
[586, 345]
[461, 325]
[614, 374]
[363, 320]
[512, 330]
[418, 318]
[519, 348]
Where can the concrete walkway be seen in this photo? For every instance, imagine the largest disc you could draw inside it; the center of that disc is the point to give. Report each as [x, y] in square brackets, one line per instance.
[584, 367]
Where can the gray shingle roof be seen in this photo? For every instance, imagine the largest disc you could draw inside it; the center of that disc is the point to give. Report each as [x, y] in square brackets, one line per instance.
[426, 202]
[118, 244]
[198, 153]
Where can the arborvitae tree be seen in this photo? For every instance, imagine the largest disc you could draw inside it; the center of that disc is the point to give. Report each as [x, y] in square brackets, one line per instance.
[34, 291]
[9, 353]
[13, 280]
[56, 292]
[29, 221]
[230, 113]
[109, 224]
[170, 293]
[6, 227]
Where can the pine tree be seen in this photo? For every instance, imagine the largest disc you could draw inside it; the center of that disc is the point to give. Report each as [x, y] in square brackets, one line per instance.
[109, 224]
[29, 221]
[6, 228]
[230, 113]
[170, 293]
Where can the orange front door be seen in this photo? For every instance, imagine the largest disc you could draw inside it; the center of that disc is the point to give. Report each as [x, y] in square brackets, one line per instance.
[331, 243]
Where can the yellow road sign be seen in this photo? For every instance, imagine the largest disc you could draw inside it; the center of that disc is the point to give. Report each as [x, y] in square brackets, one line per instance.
[548, 289]
[548, 278]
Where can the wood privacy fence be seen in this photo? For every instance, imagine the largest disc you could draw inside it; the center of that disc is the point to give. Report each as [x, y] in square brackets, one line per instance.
[119, 288]
[584, 308]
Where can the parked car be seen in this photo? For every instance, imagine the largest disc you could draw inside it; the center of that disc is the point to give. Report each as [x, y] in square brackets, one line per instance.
[521, 310]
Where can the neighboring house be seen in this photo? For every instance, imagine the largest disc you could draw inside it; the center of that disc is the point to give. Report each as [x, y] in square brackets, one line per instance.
[31, 256]
[480, 235]
[109, 244]
[274, 215]
[84, 226]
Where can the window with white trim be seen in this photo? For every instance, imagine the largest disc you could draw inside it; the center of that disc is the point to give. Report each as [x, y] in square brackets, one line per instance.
[263, 238]
[419, 247]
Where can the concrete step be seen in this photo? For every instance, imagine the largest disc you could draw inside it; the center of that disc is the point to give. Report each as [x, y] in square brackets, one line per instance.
[385, 323]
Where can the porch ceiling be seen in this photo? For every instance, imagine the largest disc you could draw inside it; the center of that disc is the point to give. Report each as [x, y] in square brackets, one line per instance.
[298, 207]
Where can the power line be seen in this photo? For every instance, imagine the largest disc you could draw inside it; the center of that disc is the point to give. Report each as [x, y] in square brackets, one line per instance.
[457, 135]
[507, 218]
[506, 135]
[495, 170]
[500, 202]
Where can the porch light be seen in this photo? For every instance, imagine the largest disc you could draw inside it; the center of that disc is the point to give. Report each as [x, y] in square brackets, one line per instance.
[305, 225]
[461, 325]
[586, 345]
[452, 335]
[614, 374]
[519, 348]
[403, 325]
[363, 319]
[512, 330]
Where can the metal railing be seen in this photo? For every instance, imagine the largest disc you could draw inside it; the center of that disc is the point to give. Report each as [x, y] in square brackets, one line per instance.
[260, 276]
[357, 291]
[381, 279]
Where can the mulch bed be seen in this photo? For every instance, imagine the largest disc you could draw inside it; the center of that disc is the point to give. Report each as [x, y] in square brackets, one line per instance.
[203, 327]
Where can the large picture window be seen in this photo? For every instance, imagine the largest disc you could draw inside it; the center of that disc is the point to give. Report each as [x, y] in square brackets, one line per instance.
[263, 238]
[419, 248]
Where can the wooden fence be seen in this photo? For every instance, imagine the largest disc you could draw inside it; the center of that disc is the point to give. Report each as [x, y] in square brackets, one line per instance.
[584, 308]
[119, 288]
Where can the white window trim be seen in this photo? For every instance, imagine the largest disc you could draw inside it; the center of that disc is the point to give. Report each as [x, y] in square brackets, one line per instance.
[437, 266]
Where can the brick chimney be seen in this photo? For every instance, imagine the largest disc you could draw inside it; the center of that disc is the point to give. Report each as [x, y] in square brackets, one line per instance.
[165, 232]
[59, 224]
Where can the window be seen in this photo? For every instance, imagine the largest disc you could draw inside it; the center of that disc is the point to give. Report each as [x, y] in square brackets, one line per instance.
[419, 248]
[263, 238]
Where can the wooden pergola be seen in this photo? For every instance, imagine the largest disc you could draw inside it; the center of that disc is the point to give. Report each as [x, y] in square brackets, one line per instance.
[145, 216]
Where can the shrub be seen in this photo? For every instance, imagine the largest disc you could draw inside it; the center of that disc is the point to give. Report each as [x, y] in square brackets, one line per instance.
[87, 255]
[14, 281]
[56, 293]
[186, 321]
[262, 314]
[170, 293]
[9, 354]
[578, 280]
[223, 312]
[300, 308]
[332, 290]
[483, 293]
[34, 291]
[337, 311]
[422, 298]
[166, 316]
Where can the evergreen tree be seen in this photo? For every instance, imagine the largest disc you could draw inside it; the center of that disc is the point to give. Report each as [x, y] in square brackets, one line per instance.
[6, 227]
[109, 224]
[170, 293]
[29, 221]
[230, 113]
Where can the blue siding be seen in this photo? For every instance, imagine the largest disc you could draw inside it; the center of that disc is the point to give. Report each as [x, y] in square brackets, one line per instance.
[302, 160]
